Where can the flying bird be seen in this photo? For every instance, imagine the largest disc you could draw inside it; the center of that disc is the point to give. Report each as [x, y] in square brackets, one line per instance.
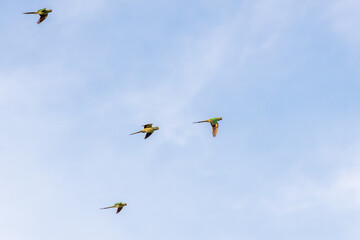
[214, 124]
[118, 205]
[148, 129]
[42, 12]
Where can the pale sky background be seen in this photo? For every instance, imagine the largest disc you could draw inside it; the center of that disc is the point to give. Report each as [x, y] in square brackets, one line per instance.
[283, 74]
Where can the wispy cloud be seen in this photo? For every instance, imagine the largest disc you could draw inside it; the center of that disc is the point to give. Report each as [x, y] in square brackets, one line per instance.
[337, 192]
[200, 62]
[344, 17]
[66, 116]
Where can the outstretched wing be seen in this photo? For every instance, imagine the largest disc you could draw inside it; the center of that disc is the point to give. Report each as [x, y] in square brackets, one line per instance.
[119, 209]
[215, 128]
[149, 125]
[147, 135]
[42, 18]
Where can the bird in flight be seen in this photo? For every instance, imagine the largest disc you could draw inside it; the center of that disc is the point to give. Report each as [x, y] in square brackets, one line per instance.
[148, 129]
[42, 12]
[118, 205]
[214, 124]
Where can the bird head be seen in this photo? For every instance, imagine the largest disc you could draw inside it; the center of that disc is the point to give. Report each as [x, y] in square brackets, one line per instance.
[124, 204]
[49, 10]
[156, 128]
[220, 118]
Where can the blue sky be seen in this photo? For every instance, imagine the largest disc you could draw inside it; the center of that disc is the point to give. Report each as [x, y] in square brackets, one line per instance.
[283, 75]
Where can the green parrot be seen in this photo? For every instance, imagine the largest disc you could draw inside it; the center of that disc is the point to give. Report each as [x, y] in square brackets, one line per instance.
[118, 205]
[214, 124]
[42, 12]
[148, 129]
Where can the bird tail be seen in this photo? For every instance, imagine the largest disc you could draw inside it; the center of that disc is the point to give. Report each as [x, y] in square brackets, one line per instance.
[201, 121]
[135, 132]
[107, 207]
[30, 13]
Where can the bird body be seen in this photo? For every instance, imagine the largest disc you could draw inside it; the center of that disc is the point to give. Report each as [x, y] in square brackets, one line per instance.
[148, 129]
[214, 124]
[42, 12]
[118, 205]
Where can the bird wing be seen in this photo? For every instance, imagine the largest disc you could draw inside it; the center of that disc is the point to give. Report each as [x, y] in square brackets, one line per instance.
[149, 125]
[215, 128]
[42, 18]
[119, 209]
[147, 135]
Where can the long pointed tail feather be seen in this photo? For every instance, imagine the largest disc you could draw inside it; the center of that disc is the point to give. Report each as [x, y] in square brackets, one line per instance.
[135, 132]
[201, 121]
[107, 207]
[29, 13]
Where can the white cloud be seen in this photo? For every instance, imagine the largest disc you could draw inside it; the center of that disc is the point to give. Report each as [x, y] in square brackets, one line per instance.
[344, 194]
[184, 79]
[201, 59]
[344, 17]
[337, 191]
[29, 98]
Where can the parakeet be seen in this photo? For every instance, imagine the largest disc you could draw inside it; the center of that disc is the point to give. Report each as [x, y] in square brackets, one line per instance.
[118, 205]
[214, 124]
[42, 12]
[148, 129]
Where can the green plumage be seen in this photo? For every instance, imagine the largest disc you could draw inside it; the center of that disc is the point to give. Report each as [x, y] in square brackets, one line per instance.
[148, 129]
[214, 124]
[42, 12]
[118, 205]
